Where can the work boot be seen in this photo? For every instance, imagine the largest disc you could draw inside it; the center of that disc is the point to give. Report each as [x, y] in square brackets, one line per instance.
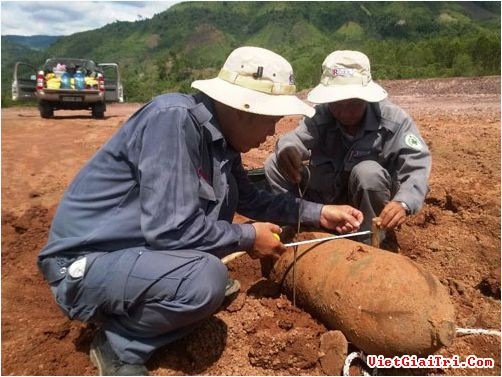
[107, 361]
[233, 286]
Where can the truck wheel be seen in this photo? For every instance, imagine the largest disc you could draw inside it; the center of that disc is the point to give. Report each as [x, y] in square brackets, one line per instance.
[98, 111]
[46, 110]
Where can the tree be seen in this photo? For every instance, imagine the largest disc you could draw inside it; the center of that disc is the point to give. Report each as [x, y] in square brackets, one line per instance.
[462, 65]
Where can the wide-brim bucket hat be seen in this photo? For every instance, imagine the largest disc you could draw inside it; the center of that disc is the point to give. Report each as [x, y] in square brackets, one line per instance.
[346, 75]
[257, 81]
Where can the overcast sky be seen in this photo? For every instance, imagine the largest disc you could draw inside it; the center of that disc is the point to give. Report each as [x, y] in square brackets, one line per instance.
[68, 17]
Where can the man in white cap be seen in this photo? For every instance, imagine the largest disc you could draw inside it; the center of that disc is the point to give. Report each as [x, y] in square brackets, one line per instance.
[363, 150]
[136, 240]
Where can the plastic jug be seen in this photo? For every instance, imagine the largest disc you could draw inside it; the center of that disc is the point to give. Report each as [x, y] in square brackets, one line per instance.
[79, 80]
[65, 81]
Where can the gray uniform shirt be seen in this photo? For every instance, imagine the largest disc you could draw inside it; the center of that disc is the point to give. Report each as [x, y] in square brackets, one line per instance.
[166, 180]
[388, 136]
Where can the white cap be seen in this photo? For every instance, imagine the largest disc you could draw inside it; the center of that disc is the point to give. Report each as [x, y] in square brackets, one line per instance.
[345, 75]
[257, 81]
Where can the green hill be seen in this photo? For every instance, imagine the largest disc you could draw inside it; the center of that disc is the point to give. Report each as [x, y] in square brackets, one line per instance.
[191, 40]
[33, 42]
[11, 53]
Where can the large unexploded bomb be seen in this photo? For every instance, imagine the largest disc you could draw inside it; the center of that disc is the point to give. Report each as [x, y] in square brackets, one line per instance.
[383, 302]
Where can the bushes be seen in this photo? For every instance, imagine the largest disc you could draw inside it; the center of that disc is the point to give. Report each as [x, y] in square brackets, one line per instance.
[473, 54]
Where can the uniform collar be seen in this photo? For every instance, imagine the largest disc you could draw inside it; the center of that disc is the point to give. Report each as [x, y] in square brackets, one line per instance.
[204, 112]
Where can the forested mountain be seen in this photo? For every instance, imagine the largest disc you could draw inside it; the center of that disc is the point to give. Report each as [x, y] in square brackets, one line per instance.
[33, 42]
[191, 40]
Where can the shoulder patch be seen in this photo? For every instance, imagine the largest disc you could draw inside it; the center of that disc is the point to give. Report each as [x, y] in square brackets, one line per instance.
[413, 142]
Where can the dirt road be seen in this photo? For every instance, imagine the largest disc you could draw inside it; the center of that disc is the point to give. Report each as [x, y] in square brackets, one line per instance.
[456, 236]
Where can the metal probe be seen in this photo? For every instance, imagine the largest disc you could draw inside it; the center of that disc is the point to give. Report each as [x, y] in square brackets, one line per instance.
[295, 246]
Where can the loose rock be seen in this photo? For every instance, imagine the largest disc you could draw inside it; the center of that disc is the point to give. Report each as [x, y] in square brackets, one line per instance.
[333, 352]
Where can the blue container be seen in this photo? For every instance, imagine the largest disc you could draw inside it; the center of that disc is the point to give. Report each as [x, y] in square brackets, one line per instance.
[79, 81]
[65, 81]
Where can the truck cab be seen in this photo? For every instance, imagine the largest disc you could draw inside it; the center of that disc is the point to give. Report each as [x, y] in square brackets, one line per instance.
[67, 83]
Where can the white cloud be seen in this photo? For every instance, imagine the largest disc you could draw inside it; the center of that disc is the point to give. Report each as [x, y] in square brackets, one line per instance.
[68, 17]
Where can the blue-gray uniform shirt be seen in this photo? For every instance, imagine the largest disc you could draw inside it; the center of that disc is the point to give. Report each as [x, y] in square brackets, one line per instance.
[166, 180]
[387, 135]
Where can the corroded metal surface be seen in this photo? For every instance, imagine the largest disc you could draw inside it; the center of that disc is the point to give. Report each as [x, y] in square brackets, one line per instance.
[383, 302]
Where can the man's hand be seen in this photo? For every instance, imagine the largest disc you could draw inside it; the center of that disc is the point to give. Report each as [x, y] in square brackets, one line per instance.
[392, 215]
[341, 218]
[290, 163]
[266, 243]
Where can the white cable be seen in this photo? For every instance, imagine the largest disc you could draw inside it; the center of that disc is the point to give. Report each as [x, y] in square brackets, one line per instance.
[350, 359]
[461, 331]
[316, 240]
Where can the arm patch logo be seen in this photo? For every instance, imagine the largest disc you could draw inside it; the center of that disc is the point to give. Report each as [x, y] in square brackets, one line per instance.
[413, 142]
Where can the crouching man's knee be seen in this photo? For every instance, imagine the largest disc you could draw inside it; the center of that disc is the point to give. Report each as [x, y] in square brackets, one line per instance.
[192, 291]
[205, 292]
[369, 175]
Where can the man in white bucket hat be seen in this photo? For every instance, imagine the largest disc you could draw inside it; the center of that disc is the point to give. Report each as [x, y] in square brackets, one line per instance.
[363, 150]
[136, 242]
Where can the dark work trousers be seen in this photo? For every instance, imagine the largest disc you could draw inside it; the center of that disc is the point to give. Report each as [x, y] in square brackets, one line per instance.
[368, 189]
[143, 299]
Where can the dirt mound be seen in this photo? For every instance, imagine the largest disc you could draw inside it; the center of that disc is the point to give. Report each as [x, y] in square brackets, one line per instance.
[26, 232]
[36, 338]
